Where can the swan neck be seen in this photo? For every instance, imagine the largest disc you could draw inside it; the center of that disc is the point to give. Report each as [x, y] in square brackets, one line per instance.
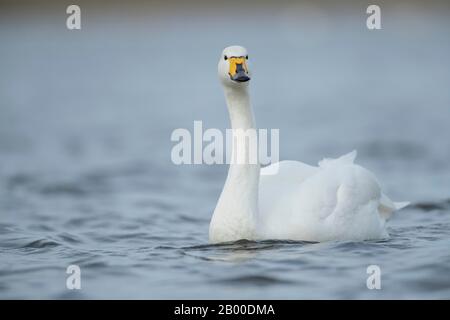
[244, 145]
[236, 212]
[239, 108]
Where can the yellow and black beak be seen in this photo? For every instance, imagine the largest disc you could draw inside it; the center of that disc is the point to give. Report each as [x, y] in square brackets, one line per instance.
[238, 69]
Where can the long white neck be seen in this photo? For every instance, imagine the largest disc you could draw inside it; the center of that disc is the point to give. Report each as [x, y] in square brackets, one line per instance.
[235, 214]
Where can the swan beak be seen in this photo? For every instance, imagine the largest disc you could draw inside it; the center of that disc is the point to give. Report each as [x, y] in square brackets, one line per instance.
[238, 69]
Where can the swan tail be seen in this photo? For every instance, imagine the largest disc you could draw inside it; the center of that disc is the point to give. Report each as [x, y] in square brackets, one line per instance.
[387, 206]
[348, 158]
[401, 205]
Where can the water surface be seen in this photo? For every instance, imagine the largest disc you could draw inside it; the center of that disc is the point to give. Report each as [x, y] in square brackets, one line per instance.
[85, 170]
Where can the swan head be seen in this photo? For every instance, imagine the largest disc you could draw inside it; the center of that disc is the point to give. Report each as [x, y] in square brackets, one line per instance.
[233, 66]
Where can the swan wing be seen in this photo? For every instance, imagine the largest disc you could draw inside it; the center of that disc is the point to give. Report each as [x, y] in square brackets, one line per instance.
[348, 158]
[287, 170]
[337, 200]
[276, 184]
[386, 206]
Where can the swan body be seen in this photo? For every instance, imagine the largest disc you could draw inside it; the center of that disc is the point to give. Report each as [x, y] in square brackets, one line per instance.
[337, 200]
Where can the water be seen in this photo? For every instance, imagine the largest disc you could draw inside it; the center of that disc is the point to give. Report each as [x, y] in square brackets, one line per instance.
[85, 170]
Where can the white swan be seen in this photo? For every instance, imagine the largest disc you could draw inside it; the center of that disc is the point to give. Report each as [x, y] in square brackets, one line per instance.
[338, 200]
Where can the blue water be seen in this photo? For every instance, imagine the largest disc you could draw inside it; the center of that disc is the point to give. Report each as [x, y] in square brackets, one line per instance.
[85, 170]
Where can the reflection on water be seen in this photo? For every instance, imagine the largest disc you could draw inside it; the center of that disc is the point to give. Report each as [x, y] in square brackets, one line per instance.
[85, 170]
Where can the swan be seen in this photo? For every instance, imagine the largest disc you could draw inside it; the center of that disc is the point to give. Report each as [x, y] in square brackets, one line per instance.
[336, 201]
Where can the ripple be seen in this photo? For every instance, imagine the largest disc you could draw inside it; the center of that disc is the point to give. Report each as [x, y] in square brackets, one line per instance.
[64, 189]
[41, 243]
[78, 222]
[95, 265]
[6, 228]
[28, 270]
[431, 206]
[20, 180]
[248, 245]
[258, 280]
[187, 218]
[41, 227]
[69, 238]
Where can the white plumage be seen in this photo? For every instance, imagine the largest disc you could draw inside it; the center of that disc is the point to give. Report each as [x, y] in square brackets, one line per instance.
[338, 200]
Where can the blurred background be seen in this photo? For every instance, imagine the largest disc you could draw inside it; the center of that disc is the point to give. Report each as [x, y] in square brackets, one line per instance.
[85, 123]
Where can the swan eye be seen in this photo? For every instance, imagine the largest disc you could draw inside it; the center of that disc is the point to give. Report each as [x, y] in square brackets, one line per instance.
[225, 58]
[246, 57]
